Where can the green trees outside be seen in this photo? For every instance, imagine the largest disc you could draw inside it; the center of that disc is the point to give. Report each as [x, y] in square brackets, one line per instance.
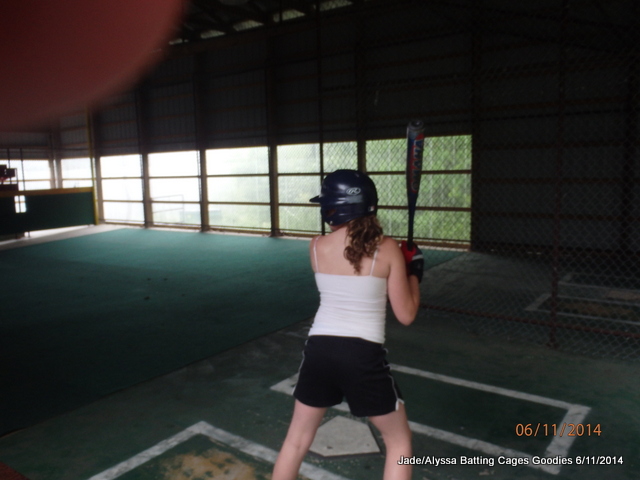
[238, 186]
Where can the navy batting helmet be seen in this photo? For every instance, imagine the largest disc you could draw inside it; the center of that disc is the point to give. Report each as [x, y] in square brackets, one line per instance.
[345, 195]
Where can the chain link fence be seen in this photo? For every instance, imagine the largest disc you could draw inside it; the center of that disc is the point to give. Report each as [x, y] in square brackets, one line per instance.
[527, 210]
[532, 113]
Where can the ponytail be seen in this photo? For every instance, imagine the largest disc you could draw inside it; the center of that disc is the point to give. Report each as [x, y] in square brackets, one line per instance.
[365, 234]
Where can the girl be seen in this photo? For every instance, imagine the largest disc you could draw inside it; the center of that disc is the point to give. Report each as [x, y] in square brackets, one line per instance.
[357, 269]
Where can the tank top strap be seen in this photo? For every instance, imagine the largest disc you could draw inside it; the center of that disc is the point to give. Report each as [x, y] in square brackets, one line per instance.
[315, 254]
[373, 264]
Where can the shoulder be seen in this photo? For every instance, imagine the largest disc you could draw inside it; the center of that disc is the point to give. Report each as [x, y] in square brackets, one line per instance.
[389, 251]
[388, 244]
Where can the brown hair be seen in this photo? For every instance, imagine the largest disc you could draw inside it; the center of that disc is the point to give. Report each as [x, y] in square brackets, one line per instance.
[364, 234]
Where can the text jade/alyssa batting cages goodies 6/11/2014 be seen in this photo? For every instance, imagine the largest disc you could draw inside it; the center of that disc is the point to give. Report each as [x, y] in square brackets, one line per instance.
[512, 461]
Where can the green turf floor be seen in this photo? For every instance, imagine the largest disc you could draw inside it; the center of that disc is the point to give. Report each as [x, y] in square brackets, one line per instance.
[87, 316]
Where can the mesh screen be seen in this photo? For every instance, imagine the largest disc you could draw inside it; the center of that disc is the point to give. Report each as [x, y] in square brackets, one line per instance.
[531, 168]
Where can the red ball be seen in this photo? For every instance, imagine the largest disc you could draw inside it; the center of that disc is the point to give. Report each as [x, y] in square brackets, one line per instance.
[60, 56]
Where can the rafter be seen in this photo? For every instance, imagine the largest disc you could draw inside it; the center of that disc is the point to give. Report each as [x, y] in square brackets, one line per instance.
[206, 16]
[239, 14]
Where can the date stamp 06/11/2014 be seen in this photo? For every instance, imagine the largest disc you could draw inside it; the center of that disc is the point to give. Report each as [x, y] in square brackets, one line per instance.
[558, 430]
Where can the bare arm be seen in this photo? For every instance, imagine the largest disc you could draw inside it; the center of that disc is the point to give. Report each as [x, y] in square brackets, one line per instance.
[404, 292]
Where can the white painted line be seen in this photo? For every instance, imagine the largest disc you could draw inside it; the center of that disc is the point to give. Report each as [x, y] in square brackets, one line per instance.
[286, 386]
[569, 280]
[482, 386]
[145, 456]
[631, 296]
[606, 301]
[475, 444]
[44, 236]
[535, 306]
[216, 434]
[609, 291]
[559, 446]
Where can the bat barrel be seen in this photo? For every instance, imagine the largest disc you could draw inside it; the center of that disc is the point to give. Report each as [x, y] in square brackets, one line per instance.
[415, 147]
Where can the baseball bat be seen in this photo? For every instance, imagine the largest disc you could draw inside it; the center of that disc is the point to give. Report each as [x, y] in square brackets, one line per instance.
[415, 147]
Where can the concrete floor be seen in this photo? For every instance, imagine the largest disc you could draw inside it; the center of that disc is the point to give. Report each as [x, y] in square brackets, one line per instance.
[470, 399]
[232, 393]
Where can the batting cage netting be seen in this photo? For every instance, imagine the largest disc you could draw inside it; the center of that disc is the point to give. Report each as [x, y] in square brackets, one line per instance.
[531, 162]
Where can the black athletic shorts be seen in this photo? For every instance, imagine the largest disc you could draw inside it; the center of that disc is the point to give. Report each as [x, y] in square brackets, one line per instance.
[337, 368]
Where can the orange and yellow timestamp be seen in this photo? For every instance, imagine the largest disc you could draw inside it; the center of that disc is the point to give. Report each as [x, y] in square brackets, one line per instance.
[558, 430]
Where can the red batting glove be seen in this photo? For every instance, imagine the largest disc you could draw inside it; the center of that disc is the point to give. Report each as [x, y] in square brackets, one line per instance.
[408, 253]
[413, 259]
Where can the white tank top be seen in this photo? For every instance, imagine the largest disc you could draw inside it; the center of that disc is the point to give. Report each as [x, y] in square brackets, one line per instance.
[350, 305]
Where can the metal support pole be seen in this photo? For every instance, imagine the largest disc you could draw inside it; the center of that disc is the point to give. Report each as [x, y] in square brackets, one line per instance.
[323, 228]
[272, 141]
[361, 98]
[201, 143]
[94, 158]
[143, 148]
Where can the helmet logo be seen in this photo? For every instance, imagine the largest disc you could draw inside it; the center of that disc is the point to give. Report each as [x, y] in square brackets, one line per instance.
[354, 191]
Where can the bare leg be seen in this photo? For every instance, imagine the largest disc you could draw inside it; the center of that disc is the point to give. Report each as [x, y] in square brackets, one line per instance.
[394, 428]
[304, 424]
